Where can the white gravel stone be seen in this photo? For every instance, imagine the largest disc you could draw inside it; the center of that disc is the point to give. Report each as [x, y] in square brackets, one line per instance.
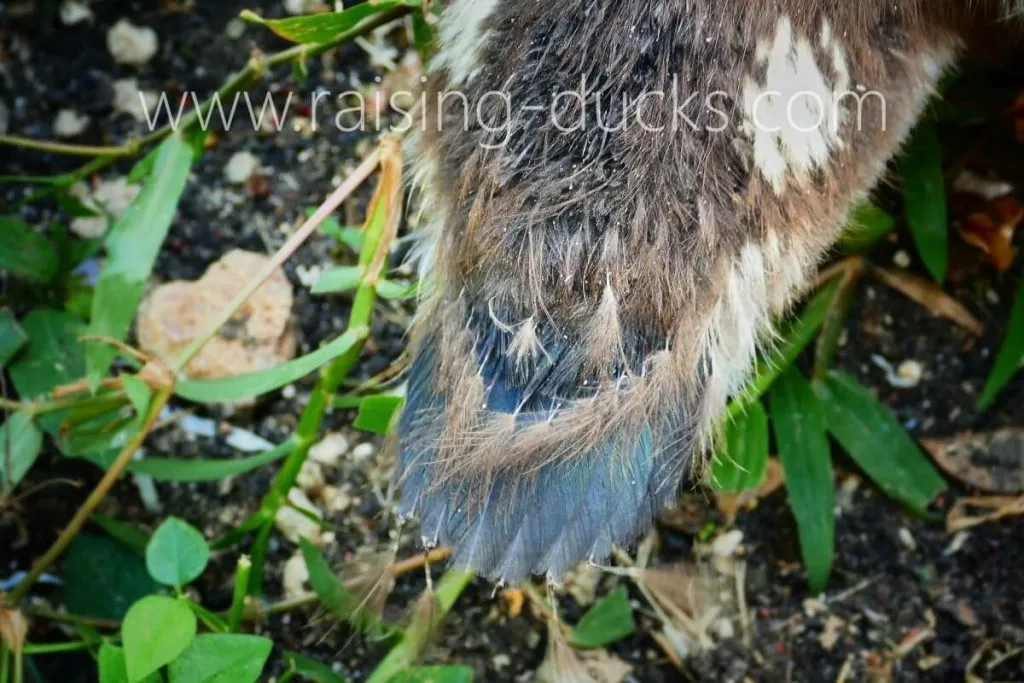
[69, 123]
[330, 450]
[240, 167]
[130, 44]
[75, 12]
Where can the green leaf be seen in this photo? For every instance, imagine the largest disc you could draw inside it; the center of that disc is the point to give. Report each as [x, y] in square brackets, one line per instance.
[795, 334]
[877, 442]
[155, 631]
[1010, 356]
[396, 289]
[20, 443]
[12, 337]
[132, 247]
[222, 658]
[138, 393]
[128, 534]
[435, 674]
[868, 224]
[333, 593]
[114, 669]
[800, 433]
[742, 465]
[102, 577]
[924, 198]
[339, 279]
[351, 236]
[196, 470]
[325, 27]
[256, 383]
[54, 355]
[375, 413]
[609, 620]
[311, 670]
[177, 553]
[25, 253]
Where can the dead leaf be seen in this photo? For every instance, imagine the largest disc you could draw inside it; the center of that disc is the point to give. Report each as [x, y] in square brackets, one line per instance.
[13, 629]
[989, 461]
[993, 228]
[515, 598]
[730, 504]
[931, 296]
[830, 635]
[958, 518]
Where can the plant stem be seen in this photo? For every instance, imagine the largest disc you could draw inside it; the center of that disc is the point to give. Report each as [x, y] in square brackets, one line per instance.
[379, 232]
[332, 202]
[253, 69]
[50, 615]
[125, 150]
[241, 589]
[94, 499]
[55, 648]
[404, 655]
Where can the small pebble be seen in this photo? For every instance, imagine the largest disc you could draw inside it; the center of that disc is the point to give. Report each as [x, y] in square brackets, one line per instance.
[235, 29]
[130, 44]
[240, 167]
[75, 12]
[907, 539]
[308, 275]
[330, 450]
[901, 258]
[69, 123]
[363, 451]
[911, 372]
[141, 105]
[311, 477]
[111, 196]
[727, 544]
[295, 525]
[294, 576]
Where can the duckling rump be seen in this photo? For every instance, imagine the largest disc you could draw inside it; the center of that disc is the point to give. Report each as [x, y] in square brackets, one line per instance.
[618, 197]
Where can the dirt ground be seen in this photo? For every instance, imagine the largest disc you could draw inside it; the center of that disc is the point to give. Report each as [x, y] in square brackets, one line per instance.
[907, 602]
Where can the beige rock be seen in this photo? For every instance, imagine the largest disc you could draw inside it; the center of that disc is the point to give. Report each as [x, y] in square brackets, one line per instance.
[330, 449]
[295, 525]
[131, 44]
[295, 576]
[258, 337]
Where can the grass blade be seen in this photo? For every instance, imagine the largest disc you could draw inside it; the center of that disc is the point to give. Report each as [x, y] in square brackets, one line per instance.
[1010, 356]
[807, 467]
[868, 224]
[325, 27]
[255, 383]
[132, 247]
[924, 198]
[191, 471]
[877, 442]
[742, 464]
[332, 592]
[795, 334]
[375, 413]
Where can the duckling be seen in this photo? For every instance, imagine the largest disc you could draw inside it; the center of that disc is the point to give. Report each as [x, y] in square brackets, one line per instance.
[618, 198]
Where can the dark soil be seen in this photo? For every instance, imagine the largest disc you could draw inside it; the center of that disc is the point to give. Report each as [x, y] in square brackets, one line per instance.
[895, 575]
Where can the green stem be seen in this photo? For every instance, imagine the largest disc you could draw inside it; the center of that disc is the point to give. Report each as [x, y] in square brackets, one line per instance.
[253, 69]
[55, 648]
[408, 650]
[126, 150]
[94, 499]
[5, 663]
[242, 571]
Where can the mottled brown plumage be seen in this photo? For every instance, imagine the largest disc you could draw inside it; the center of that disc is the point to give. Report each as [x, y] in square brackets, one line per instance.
[595, 293]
